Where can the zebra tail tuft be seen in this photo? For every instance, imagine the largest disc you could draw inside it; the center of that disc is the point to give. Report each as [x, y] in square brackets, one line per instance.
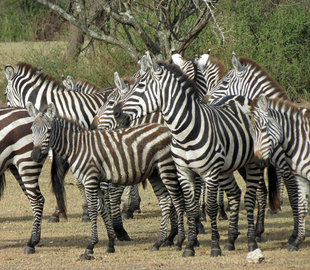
[144, 184]
[274, 195]
[58, 172]
[2, 184]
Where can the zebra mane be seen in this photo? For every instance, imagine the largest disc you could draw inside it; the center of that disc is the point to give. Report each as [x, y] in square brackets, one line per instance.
[220, 65]
[283, 106]
[34, 71]
[179, 73]
[273, 83]
[69, 124]
[84, 82]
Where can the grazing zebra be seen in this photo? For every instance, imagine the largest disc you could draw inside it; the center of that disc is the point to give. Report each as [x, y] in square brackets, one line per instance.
[211, 141]
[122, 157]
[16, 147]
[282, 131]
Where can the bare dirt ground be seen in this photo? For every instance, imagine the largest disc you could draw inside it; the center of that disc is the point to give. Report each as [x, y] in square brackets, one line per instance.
[62, 243]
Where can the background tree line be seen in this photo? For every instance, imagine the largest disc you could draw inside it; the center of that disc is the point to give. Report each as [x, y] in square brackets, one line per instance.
[106, 36]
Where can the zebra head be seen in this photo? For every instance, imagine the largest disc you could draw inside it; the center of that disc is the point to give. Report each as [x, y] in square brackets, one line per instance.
[142, 97]
[104, 118]
[266, 132]
[41, 130]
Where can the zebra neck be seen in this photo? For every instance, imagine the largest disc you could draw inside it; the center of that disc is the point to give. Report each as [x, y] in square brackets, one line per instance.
[65, 138]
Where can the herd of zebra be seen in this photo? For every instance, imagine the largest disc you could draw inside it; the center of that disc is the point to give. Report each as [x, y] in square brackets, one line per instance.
[185, 126]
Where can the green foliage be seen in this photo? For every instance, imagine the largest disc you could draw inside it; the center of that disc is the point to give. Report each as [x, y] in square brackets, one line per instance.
[17, 18]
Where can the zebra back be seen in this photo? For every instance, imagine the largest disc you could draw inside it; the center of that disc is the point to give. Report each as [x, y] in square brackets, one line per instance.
[249, 79]
[28, 83]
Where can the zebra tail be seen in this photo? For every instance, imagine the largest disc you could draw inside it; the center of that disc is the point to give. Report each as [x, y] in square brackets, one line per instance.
[274, 196]
[58, 172]
[2, 184]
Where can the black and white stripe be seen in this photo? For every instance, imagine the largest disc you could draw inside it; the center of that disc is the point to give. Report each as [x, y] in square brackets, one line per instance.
[122, 157]
[211, 141]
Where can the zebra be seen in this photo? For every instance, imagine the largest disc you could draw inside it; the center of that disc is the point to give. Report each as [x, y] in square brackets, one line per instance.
[16, 146]
[122, 157]
[28, 83]
[211, 141]
[206, 73]
[281, 132]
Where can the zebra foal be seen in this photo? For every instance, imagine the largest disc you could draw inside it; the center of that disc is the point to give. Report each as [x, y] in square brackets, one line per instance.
[16, 147]
[122, 157]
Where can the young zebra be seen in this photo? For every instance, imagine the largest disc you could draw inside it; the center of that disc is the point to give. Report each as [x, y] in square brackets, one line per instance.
[122, 157]
[16, 147]
[282, 131]
[211, 141]
[28, 83]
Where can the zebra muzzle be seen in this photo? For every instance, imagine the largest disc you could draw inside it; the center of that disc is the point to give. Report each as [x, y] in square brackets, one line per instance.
[36, 154]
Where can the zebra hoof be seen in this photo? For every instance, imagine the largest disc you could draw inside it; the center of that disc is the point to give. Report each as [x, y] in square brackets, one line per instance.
[188, 253]
[258, 238]
[177, 248]
[154, 248]
[110, 250]
[86, 257]
[53, 219]
[29, 250]
[167, 243]
[229, 247]
[215, 252]
[223, 216]
[291, 248]
[85, 219]
[89, 251]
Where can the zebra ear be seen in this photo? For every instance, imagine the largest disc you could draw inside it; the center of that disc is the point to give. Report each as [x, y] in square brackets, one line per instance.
[151, 62]
[236, 63]
[143, 65]
[9, 72]
[203, 60]
[31, 109]
[51, 110]
[120, 84]
[177, 59]
[263, 103]
[68, 83]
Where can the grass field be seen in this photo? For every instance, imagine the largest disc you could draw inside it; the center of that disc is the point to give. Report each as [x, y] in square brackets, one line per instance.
[62, 244]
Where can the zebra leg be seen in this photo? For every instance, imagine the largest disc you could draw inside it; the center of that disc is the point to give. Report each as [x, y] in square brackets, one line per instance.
[212, 209]
[131, 202]
[254, 175]
[174, 228]
[102, 209]
[233, 192]
[115, 194]
[36, 199]
[261, 195]
[186, 180]
[222, 213]
[165, 204]
[202, 202]
[91, 193]
[85, 216]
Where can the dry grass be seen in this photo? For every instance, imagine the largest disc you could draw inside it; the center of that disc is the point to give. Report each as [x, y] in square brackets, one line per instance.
[62, 244]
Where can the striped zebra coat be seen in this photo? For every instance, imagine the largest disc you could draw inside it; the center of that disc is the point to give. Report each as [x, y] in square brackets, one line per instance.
[28, 83]
[122, 157]
[16, 147]
[210, 141]
[282, 136]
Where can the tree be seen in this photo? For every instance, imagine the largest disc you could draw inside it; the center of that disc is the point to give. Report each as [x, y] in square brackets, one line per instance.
[159, 26]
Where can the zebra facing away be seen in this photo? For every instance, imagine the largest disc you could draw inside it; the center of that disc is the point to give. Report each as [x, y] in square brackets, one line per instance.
[28, 83]
[122, 157]
[211, 141]
[16, 147]
[282, 131]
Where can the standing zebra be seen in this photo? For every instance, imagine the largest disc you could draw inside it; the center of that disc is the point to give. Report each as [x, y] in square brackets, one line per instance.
[16, 147]
[28, 83]
[211, 141]
[122, 157]
[282, 135]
